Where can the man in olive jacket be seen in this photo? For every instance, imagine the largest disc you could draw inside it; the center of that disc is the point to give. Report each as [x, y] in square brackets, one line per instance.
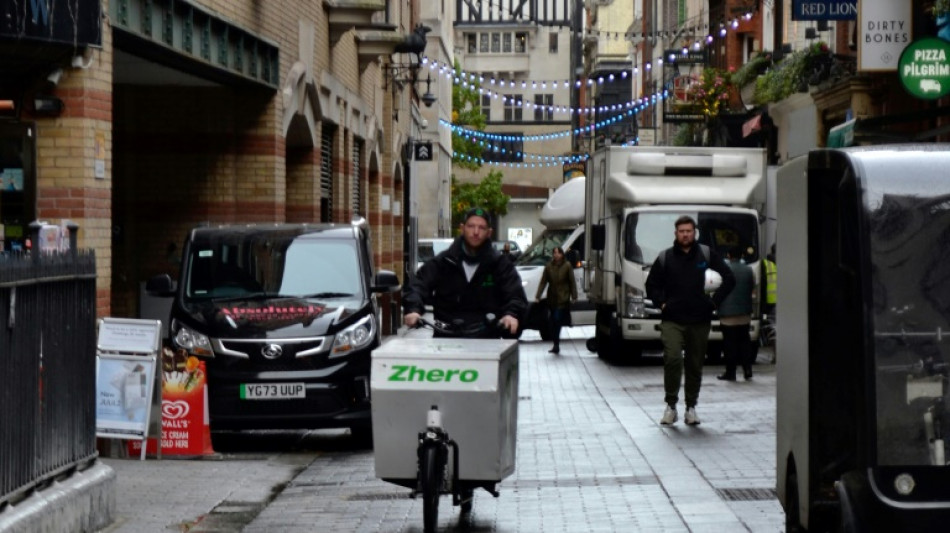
[677, 286]
[467, 281]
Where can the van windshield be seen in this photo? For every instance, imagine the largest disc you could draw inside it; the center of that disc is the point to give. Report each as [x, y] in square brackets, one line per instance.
[542, 250]
[647, 233]
[234, 267]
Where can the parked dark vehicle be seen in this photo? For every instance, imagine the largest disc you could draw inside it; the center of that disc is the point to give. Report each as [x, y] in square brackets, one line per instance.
[285, 317]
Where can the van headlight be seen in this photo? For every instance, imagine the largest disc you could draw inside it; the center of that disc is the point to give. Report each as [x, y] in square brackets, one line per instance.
[357, 336]
[633, 299]
[193, 342]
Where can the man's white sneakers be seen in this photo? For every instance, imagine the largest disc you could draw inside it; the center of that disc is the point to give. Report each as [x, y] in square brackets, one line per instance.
[691, 418]
[669, 416]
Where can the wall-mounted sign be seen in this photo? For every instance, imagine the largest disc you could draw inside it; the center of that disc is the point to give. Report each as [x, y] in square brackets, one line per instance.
[884, 28]
[924, 69]
[423, 151]
[824, 9]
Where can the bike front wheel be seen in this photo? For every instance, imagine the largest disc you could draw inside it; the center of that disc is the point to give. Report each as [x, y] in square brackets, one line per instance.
[432, 472]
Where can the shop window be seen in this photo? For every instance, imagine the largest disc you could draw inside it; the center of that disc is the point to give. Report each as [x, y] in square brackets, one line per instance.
[17, 184]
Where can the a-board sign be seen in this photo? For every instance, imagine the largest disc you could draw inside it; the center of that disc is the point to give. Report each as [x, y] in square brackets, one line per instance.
[130, 336]
[124, 387]
[126, 370]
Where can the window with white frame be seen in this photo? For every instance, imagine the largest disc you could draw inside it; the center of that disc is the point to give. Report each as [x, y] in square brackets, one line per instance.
[543, 107]
[513, 108]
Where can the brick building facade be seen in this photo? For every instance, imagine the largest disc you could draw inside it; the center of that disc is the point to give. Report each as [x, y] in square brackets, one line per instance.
[203, 111]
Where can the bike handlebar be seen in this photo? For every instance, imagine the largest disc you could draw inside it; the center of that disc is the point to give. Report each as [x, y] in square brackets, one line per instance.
[459, 328]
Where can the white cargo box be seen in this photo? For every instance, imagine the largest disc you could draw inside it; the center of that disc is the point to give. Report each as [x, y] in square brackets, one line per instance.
[475, 384]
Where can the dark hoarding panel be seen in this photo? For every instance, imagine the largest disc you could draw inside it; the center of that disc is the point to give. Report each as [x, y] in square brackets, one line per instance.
[72, 22]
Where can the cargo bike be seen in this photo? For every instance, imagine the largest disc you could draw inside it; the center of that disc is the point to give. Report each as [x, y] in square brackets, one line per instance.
[445, 414]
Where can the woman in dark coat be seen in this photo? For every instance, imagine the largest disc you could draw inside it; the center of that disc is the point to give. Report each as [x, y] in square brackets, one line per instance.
[558, 277]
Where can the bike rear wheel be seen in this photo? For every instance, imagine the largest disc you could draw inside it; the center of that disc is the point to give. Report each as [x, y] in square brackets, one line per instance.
[432, 472]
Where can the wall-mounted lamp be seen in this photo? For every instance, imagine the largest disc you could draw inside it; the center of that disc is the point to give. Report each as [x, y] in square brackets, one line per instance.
[400, 73]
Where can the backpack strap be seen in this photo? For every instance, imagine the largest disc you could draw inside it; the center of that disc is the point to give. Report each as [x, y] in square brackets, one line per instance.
[703, 249]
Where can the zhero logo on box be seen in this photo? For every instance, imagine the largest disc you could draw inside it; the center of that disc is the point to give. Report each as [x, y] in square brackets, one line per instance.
[432, 375]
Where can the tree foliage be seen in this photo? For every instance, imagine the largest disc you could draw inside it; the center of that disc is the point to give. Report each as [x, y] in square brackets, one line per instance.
[466, 113]
[486, 194]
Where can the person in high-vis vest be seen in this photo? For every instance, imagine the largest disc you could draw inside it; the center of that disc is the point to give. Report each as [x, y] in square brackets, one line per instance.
[771, 276]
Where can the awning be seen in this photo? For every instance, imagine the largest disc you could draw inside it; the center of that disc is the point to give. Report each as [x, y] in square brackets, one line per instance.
[752, 125]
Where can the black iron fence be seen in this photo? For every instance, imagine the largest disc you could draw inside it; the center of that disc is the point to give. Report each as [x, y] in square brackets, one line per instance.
[47, 368]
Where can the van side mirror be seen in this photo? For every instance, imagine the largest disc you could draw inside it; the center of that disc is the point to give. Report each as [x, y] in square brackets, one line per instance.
[160, 285]
[386, 281]
[598, 237]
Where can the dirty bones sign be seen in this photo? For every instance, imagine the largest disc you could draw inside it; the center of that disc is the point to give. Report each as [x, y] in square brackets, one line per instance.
[924, 69]
[884, 28]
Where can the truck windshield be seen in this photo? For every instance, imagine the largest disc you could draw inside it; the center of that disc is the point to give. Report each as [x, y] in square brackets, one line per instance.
[542, 250]
[233, 267]
[647, 233]
[909, 228]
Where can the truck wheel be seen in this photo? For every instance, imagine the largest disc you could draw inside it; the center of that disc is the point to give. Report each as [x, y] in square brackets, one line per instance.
[592, 344]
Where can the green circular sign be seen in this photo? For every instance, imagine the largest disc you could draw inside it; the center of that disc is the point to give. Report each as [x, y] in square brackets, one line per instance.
[924, 68]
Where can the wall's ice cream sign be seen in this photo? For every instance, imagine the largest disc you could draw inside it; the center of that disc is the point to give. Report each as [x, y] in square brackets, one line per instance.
[924, 70]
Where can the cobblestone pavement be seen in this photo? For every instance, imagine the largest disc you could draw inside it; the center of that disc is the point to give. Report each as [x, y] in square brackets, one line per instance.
[590, 457]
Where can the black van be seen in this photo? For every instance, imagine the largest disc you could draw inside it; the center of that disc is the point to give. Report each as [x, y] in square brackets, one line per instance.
[285, 317]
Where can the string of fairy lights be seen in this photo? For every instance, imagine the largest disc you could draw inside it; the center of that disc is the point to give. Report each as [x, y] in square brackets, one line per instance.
[478, 82]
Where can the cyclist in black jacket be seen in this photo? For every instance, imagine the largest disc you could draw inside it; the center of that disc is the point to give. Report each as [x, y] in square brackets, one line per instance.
[467, 281]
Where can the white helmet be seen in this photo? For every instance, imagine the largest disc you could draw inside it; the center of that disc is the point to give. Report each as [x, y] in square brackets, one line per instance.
[713, 280]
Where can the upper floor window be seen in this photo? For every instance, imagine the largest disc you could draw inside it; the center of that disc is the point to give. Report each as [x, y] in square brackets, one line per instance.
[543, 109]
[513, 108]
[552, 43]
[486, 106]
[507, 150]
[497, 42]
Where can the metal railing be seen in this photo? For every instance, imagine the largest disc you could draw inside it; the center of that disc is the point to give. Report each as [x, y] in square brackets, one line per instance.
[48, 368]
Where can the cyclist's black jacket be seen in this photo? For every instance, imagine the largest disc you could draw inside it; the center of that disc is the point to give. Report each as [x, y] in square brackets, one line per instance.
[495, 287]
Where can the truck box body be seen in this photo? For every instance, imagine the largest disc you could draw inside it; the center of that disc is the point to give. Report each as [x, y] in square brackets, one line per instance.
[635, 194]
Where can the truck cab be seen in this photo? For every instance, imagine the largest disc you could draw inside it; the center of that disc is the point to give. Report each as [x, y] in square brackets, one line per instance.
[634, 195]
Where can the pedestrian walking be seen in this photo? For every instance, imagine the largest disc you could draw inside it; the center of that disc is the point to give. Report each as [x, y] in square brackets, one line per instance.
[735, 315]
[677, 285]
[467, 281]
[558, 277]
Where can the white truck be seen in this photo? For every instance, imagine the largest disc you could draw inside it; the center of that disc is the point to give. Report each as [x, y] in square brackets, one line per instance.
[634, 195]
[563, 220]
